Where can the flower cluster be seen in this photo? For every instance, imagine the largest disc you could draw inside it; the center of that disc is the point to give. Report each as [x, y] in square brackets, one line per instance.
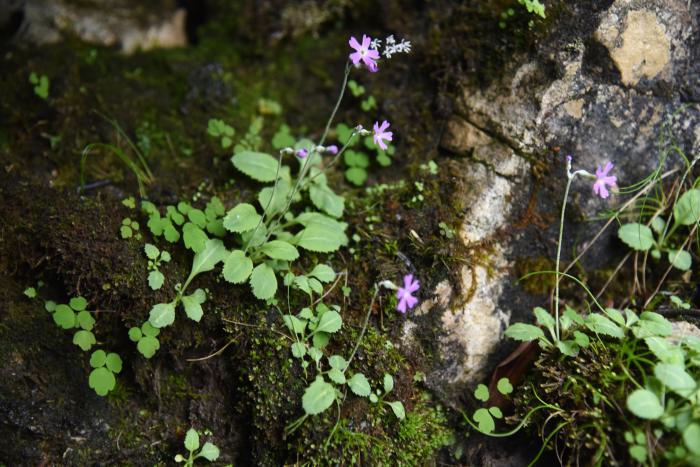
[367, 53]
[391, 47]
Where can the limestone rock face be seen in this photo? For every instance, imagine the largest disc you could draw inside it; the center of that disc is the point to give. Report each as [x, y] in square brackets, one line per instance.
[126, 24]
[608, 92]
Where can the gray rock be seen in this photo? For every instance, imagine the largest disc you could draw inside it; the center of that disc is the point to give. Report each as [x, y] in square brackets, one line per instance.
[125, 24]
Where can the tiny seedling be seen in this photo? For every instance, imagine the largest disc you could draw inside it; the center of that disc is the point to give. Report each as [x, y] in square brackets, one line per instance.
[146, 338]
[155, 258]
[41, 85]
[130, 228]
[209, 451]
[219, 129]
[105, 366]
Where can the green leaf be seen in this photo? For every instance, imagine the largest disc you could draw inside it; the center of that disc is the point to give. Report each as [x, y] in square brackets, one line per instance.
[152, 251]
[302, 283]
[524, 332]
[298, 349]
[30, 292]
[237, 267]
[397, 408]
[98, 358]
[170, 232]
[321, 339]
[343, 132]
[337, 376]
[326, 200]
[316, 285]
[691, 437]
[85, 320]
[125, 231]
[496, 412]
[543, 317]
[192, 440]
[356, 159]
[638, 453]
[263, 281]
[330, 322]
[135, 334]
[155, 280]
[636, 236]
[294, 324]
[257, 165]
[113, 362]
[214, 252]
[64, 317]
[193, 308]
[323, 272]
[602, 325]
[195, 238]
[84, 339]
[278, 249]
[161, 315]
[50, 306]
[102, 381]
[568, 347]
[581, 339]
[686, 211]
[675, 378]
[197, 217]
[209, 451]
[242, 218]
[148, 346]
[149, 330]
[481, 393]
[388, 382]
[615, 315]
[78, 303]
[282, 192]
[664, 350]
[644, 404]
[282, 138]
[315, 354]
[318, 396]
[319, 238]
[359, 385]
[338, 362]
[504, 386]
[573, 315]
[652, 324]
[485, 421]
[356, 175]
[680, 259]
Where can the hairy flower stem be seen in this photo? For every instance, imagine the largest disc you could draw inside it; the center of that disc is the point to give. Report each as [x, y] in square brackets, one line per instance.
[307, 163]
[561, 234]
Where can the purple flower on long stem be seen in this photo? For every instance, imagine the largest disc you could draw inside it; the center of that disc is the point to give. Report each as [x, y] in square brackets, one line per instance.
[380, 134]
[363, 53]
[404, 294]
[332, 149]
[302, 153]
[603, 179]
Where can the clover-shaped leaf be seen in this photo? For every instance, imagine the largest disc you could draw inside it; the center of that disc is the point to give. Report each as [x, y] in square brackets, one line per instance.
[481, 393]
[504, 386]
[102, 381]
[485, 421]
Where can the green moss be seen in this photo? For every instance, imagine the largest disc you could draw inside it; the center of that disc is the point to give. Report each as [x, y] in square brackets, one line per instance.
[381, 439]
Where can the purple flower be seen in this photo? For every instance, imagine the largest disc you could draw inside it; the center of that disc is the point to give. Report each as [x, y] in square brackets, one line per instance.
[380, 134]
[569, 158]
[302, 153]
[363, 53]
[603, 179]
[406, 300]
[332, 149]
